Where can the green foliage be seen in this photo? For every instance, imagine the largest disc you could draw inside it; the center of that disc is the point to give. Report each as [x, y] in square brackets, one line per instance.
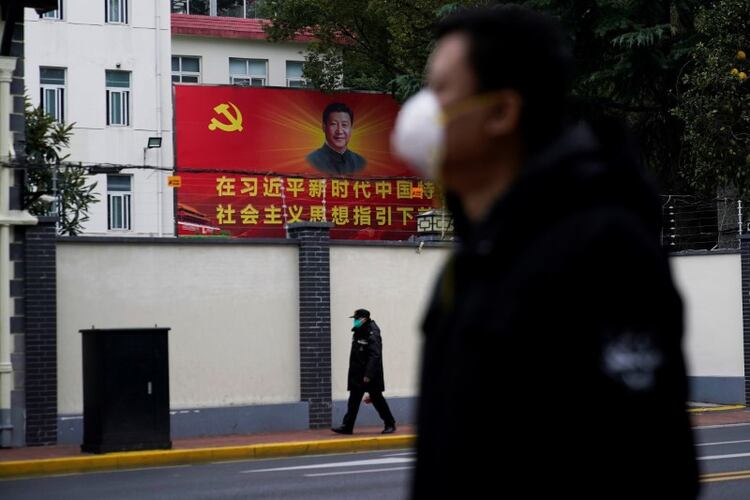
[662, 66]
[714, 103]
[362, 45]
[48, 175]
[628, 55]
[643, 36]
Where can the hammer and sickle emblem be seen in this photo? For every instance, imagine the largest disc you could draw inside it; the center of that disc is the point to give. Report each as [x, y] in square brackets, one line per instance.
[235, 121]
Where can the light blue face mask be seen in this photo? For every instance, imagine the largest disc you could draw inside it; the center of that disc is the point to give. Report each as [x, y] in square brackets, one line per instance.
[358, 322]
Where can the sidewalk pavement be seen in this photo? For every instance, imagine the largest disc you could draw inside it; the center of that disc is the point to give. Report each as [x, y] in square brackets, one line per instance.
[708, 415]
[65, 459]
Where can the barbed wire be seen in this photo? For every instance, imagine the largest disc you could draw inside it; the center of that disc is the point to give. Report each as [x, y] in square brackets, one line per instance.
[694, 223]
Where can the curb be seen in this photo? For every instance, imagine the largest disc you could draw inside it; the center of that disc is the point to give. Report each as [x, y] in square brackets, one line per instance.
[133, 459]
[705, 409]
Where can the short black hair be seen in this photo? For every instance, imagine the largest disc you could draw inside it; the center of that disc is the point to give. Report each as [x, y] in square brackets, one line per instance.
[521, 49]
[337, 107]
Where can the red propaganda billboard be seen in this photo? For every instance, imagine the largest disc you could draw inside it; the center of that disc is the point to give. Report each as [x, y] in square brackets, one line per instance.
[252, 160]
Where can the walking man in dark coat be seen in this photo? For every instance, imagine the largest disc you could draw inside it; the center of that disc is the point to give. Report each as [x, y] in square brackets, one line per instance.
[366, 373]
[552, 358]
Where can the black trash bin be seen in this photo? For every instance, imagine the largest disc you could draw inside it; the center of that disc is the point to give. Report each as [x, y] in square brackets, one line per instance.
[125, 390]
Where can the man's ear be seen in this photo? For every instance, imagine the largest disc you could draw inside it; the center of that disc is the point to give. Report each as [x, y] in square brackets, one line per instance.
[505, 114]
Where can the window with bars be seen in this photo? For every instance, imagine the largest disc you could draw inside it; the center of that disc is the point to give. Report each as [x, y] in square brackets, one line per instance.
[116, 11]
[294, 74]
[118, 98]
[223, 8]
[52, 90]
[119, 198]
[248, 72]
[230, 8]
[186, 69]
[194, 7]
[56, 14]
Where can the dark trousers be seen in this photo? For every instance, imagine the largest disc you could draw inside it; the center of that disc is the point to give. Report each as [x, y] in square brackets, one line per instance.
[378, 401]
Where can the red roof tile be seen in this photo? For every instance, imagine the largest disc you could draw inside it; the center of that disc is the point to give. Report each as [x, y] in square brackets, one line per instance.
[224, 27]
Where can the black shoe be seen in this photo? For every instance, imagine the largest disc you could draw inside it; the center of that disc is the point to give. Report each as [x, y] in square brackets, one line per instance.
[341, 430]
[389, 429]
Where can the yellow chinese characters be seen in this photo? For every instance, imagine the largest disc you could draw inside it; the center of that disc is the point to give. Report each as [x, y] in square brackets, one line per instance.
[258, 200]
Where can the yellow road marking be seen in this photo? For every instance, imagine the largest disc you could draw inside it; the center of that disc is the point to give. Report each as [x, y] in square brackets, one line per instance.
[725, 476]
[716, 408]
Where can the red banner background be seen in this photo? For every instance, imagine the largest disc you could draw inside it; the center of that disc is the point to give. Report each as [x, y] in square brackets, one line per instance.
[241, 154]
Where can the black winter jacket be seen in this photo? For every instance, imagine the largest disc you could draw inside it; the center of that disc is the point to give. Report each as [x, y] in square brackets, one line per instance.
[366, 358]
[552, 363]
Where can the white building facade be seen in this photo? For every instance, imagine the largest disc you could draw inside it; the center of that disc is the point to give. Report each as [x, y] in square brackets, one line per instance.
[108, 66]
[229, 51]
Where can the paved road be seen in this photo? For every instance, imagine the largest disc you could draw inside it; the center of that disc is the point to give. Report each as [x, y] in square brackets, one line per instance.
[724, 458]
[376, 475]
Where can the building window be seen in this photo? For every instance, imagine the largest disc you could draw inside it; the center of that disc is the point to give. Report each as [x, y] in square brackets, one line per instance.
[230, 8]
[294, 76]
[118, 98]
[236, 8]
[186, 69]
[52, 89]
[252, 8]
[119, 197]
[223, 8]
[194, 7]
[56, 14]
[116, 11]
[248, 72]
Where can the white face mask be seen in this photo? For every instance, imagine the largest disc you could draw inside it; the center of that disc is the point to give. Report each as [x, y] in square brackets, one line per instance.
[418, 137]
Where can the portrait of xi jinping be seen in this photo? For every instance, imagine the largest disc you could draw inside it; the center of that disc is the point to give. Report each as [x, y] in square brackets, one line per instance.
[334, 157]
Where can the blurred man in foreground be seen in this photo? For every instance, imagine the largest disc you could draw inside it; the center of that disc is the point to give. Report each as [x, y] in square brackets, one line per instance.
[553, 339]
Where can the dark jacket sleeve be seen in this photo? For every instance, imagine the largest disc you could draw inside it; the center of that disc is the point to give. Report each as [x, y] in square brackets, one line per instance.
[638, 374]
[375, 351]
